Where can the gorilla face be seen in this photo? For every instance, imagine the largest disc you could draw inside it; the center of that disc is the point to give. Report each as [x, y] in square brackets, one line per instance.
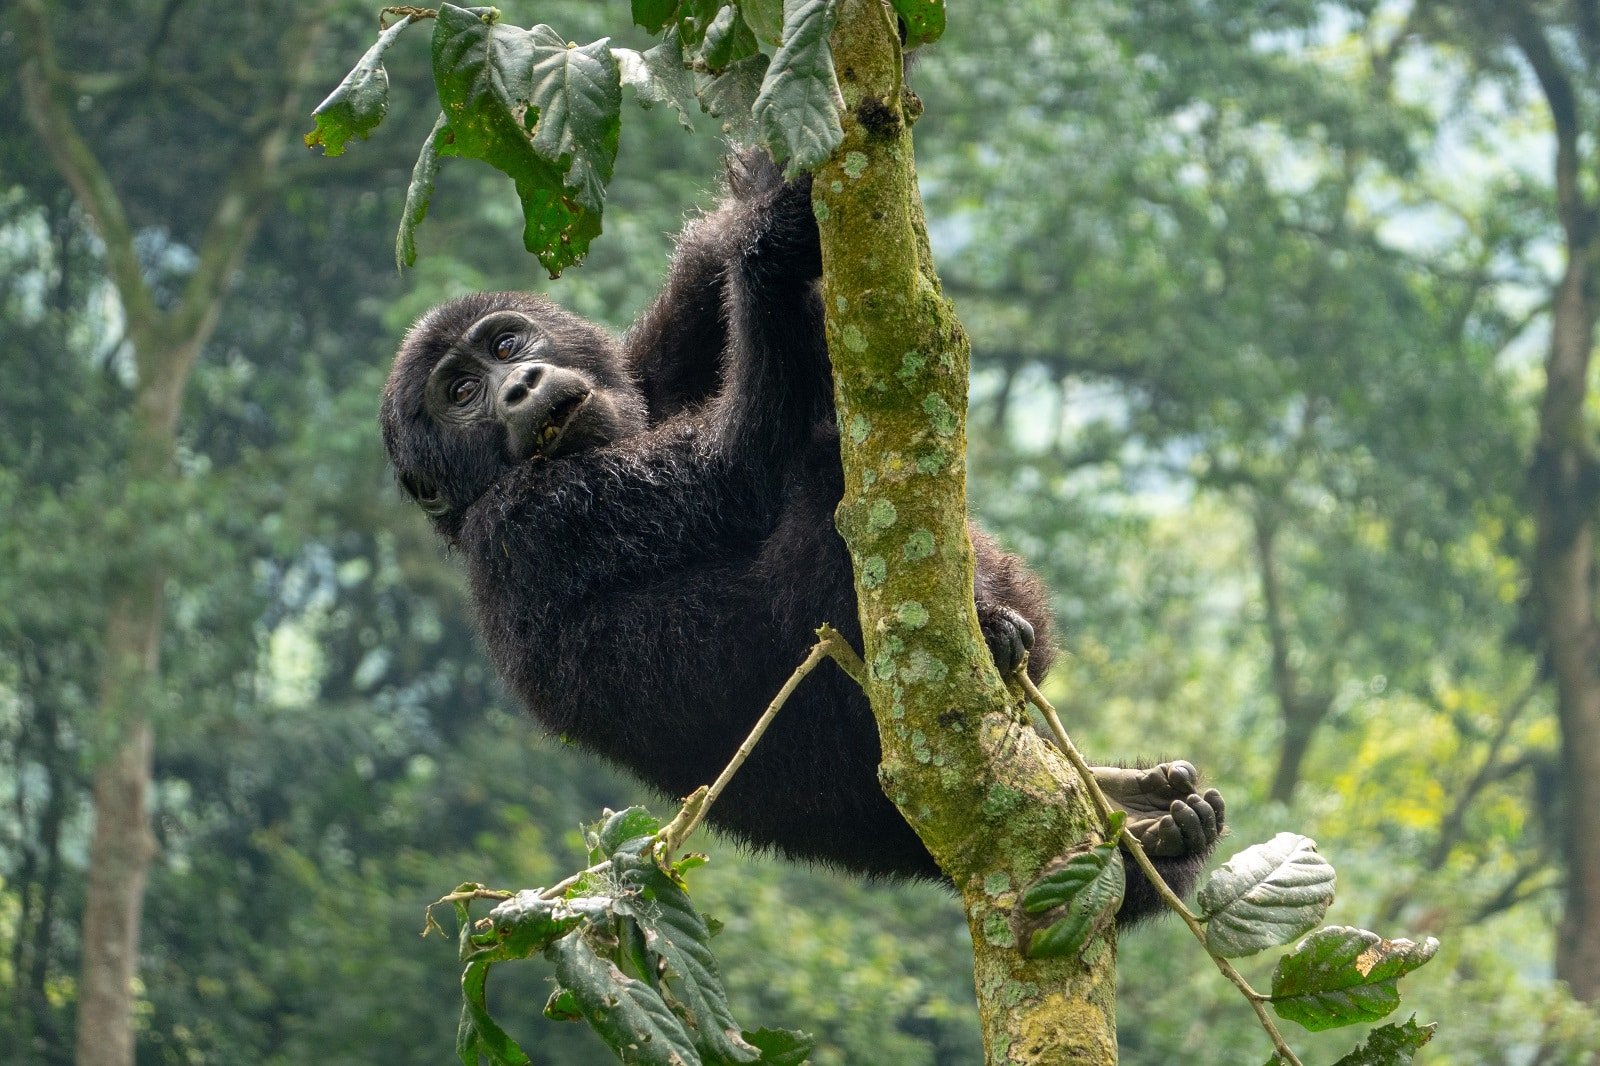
[491, 380]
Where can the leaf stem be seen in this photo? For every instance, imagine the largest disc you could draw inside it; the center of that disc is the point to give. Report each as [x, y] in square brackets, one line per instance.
[1131, 844]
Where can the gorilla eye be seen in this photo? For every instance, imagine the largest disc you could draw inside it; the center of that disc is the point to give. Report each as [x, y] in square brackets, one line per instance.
[505, 346]
[463, 390]
[432, 502]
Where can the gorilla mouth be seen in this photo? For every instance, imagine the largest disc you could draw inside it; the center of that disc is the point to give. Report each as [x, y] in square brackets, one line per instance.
[561, 416]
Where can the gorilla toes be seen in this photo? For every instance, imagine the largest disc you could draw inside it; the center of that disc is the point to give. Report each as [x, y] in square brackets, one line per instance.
[1008, 634]
[1166, 811]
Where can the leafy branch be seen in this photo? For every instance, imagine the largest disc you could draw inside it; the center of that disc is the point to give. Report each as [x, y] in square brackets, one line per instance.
[631, 953]
[1265, 896]
[547, 113]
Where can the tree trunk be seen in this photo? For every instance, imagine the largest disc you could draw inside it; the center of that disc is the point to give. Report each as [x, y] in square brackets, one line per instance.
[1301, 712]
[1563, 481]
[993, 804]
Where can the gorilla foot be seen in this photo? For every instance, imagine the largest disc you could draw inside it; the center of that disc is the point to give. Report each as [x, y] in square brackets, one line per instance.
[1166, 811]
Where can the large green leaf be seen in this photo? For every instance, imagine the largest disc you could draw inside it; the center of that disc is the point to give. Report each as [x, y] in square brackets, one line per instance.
[359, 102]
[797, 112]
[616, 828]
[1265, 896]
[676, 934]
[1086, 889]
[629, 1015]
[542, 113]
[1341, 976]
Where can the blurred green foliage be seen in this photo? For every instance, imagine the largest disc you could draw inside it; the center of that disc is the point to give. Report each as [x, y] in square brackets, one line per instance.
[1251, 308]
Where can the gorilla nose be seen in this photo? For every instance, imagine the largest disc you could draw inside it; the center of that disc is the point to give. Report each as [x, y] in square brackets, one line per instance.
[520, 383]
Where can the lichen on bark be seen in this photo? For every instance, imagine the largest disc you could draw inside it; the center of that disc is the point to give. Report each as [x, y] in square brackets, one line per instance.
[992, 802]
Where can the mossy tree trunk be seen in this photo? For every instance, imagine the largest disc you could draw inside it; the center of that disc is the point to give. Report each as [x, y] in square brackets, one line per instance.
[992, 802]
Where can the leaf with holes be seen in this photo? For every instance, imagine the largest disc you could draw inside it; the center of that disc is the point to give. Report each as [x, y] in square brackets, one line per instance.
[629, 1015]
[359, 102]
[526, 923]
[1265, 896]
[797, 112]
[677, 936]
[543, 114]
[1341, 976]
[1390, 1045]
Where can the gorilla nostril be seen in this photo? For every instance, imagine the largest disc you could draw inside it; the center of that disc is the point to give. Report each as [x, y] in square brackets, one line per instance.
[531, 375]
[514, 393]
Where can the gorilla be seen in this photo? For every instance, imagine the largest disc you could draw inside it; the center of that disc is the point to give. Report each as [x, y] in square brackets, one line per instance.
[648, 530]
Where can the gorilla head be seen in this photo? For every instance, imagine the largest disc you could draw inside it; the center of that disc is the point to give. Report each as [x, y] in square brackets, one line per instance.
[491, 380]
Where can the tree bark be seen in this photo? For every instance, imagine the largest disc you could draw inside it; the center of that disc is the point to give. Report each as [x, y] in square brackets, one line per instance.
[1563, 481]
[991, 801]
[1302, 712]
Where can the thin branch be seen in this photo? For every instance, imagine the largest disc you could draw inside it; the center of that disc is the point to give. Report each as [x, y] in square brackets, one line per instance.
[829, 645]
[1130, 843]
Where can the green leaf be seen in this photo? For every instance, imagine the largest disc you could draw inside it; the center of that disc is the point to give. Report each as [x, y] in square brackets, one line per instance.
[359, 102]
[562, 1006]
[923, 19]
[1265, 896]
[659, 76]
[797, 112]
[728, 40]
[629, 1015]
[491, 1039]
[654, 14]
[577, 93]
[617, 828]
[418, 195]
[1340, 976]
[1391, 1045]
[1087, 888]
[781, 1047]
[695, 18]
[676, 934]
[546, 115]
[765, 19]
[526, 924]
[731, 95]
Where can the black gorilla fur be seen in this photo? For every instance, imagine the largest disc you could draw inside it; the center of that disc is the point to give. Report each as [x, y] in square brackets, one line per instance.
[646, 577]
